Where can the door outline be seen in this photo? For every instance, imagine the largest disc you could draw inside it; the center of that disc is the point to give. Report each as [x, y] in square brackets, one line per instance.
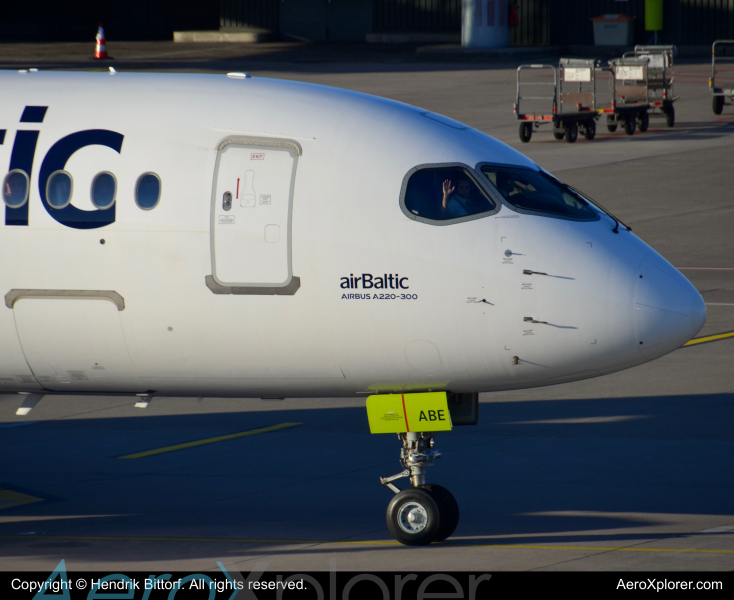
[291, 283]
[81, 377]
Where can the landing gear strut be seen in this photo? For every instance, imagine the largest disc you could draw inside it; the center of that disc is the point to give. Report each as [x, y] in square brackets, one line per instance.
[424, 513]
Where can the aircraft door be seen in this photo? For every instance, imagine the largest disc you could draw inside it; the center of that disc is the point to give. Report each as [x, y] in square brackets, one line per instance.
[75, 344]
[251, 212]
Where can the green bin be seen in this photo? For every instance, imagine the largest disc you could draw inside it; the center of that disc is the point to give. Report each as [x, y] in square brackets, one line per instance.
[653, 15]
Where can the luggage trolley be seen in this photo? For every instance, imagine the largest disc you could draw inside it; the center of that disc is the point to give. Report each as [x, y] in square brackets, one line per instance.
[628, 104]
[660, 80]
[721, 83]
[572, 99]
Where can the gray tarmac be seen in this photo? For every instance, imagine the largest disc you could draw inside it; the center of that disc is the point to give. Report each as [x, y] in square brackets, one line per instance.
[632, 471]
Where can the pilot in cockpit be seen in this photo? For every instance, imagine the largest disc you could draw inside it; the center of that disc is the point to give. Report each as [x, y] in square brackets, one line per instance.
[505, 184]
[457, 202]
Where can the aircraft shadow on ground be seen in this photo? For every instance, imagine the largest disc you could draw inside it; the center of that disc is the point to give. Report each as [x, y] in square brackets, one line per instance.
[532, 472]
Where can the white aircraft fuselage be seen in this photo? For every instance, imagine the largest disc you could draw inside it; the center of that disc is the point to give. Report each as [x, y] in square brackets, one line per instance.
[315, 281]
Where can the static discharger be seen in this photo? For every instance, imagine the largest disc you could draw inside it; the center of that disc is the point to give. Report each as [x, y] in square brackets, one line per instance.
[405, 413]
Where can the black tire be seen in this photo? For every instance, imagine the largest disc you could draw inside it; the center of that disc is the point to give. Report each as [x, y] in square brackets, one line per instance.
[643, 121]
[718, 104]
[590, 129]
[670, 116]
[629, 126]
[526, 132]
[611, 124]
[558, 134]
[572, 132]
[450, 510]
[428, 515]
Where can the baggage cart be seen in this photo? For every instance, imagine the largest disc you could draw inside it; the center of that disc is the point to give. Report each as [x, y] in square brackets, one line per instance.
[564, 97]
[660, 80]
[627, 102]
[721, 82]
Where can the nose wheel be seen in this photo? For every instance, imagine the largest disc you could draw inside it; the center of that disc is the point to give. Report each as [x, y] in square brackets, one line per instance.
[423, 513]
[450, 517]
[414, 517]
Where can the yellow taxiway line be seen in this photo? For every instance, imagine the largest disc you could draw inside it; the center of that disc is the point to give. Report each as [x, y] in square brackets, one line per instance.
[455, 543]
[221, 438]
[606, 549]
[709, 338]
[11, 498]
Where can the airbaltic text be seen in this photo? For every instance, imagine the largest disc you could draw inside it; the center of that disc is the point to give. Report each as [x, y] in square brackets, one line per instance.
[368, 281]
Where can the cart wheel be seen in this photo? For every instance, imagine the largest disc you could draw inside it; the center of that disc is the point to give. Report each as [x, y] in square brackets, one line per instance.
[643, 121]
[718, 104]
[670, 116]
[611, 124]
[558, 134]
[589, 129]
[629, 126]
[572, 132]
[526, 132]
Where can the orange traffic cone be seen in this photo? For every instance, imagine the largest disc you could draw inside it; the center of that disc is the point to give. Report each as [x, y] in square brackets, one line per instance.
[100, 50]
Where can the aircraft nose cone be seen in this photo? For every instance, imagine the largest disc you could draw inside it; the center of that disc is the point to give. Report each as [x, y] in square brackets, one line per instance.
[698, 314]
[669, 311]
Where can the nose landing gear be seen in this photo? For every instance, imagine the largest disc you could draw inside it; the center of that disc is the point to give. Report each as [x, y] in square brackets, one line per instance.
[424, 513]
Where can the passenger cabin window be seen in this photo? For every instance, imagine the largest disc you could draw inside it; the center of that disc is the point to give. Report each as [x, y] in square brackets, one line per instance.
[58, 189]
[148, 191]
[104, 187]
[444, 193]
[537, 192]
[15, 188]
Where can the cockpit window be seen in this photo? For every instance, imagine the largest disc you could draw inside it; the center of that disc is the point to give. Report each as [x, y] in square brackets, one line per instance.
[537, 192]
[443, 194]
